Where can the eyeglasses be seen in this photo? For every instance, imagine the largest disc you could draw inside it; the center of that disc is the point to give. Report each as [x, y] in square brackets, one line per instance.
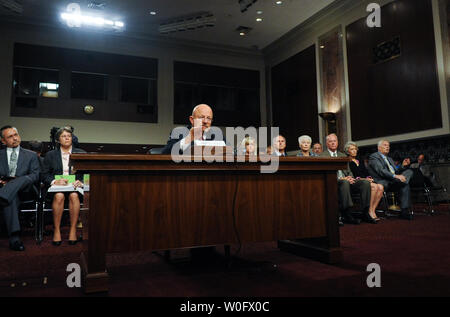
[207, 119]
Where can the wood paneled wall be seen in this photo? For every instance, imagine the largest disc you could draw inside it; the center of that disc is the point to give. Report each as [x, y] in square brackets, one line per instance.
[294, 97]
[399, 95]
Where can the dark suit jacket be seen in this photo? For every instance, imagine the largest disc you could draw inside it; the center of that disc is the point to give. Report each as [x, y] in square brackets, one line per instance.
[346, 172]
[53, 165]
[379, 170]
[27, 165]
[172, 141]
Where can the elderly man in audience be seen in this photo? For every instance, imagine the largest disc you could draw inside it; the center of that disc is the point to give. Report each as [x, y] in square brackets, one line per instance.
[304, 143]
[19, 170]
[359, 171]
[384, 172]
[279, 146]
[317, 148]
[348, 184]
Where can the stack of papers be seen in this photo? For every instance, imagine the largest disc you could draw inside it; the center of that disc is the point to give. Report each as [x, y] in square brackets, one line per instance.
[65, 188]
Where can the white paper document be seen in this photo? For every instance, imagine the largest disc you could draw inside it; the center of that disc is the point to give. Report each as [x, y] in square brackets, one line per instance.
[65, 188]
[208, 143]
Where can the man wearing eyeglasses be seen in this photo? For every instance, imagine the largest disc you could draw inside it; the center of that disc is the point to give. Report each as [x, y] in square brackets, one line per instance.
[201, 119]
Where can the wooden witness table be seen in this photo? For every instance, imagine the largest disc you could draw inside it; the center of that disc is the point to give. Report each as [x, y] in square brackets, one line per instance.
[149, 202]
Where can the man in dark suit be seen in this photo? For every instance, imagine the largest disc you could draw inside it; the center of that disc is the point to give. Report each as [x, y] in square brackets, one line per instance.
[383, 171]
[346, 184]
[200, 129]
[19, 169]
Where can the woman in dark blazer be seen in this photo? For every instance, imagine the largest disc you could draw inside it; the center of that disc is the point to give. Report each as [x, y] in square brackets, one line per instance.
[56, 162]
[359, 171]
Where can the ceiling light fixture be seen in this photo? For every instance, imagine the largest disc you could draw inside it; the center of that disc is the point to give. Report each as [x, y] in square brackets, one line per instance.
[279, 2]
[75, 18]
[259, 19]
[245, 4]
[243, 30]
[152, 12]
[196, 21]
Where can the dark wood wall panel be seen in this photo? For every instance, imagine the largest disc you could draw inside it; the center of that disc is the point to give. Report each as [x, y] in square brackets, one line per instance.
[294, 97]
[399, 95]
[232, 93]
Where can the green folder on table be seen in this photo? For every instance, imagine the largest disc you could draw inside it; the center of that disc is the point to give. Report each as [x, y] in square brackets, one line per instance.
[70, 178]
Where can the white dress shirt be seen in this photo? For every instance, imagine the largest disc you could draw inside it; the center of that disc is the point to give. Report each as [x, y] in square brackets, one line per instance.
[65, 161]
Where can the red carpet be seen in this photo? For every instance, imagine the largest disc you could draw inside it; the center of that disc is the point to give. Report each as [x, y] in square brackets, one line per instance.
[414, 257]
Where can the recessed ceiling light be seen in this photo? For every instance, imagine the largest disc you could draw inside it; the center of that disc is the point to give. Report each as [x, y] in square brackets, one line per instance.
[259, 12]
[242, 34]
[322, 46]
[152, 12]
[258, 19]
[279, 2]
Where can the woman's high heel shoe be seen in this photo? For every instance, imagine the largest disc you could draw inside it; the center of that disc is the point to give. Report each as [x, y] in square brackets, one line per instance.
[73, 242]
[56, 243]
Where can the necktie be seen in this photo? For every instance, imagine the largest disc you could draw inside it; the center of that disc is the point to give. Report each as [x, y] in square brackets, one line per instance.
[13, 163]
[389, 165]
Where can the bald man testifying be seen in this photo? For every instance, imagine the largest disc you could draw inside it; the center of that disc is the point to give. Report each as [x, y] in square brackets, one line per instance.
[199, 129]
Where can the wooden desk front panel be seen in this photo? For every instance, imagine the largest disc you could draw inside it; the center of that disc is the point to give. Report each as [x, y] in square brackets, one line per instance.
[163, 210]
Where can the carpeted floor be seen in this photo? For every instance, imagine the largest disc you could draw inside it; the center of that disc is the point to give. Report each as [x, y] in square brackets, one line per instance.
[414, 257]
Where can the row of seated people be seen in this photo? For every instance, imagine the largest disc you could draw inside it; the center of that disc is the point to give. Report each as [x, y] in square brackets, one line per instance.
[18, 174]
[20, 169]
[381, 175]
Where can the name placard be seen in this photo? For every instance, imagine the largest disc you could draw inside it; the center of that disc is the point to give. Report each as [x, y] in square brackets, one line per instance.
[208, 143]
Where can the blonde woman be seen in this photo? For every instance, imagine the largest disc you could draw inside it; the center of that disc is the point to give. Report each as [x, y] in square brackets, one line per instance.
[249, 146]
[359, 171]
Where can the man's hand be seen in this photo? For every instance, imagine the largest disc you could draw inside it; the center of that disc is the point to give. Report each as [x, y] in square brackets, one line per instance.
[2, 182]
[196, 132]
[349, 179]
[400, 178]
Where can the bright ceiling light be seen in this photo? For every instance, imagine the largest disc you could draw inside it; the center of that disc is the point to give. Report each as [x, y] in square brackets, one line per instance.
[279, 2]
[152, 12]
[258, 19]
[75, 18]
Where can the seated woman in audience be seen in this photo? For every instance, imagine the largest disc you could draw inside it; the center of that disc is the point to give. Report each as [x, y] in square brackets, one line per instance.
[304, 143]
[359, 171]
[56, 162]
[249, 146]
